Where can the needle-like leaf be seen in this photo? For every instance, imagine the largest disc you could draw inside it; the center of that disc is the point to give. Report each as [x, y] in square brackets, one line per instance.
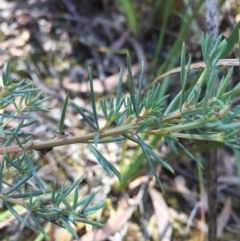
[63, 114]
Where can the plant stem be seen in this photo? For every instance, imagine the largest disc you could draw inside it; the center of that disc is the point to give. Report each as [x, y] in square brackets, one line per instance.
[11, 200]
[86, 138]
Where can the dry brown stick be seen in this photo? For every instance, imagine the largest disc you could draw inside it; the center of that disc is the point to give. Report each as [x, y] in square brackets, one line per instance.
[211, 174]
[199, 65]
[212, 26]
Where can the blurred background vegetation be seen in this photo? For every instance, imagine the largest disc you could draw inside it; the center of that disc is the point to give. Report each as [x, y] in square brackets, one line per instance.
[52, 43]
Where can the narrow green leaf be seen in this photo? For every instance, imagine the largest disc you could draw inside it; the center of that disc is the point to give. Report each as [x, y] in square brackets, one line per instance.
[85, 117]
[131, 138]
[11, 138]
[15, 116]
[72, 186]
[232, 146]
[120, 104]
[5, 74]
[58, 197]
[173, 103]
[68, 226]
[157, 119]
[26, 97]
[139, 94]
[29, 194]
[63, 113]
[104, 108]
[122, 117]
[157, 158]
[25, 219]
[203, 46]
[142, 127]
[192, 115]
[66, 203]
[75, 198]
[232, 93]
[20, 92]
[29, 123]
[16, 215]
[2, 164]
[6, 214]
[171, 145]
[93, 209]
[142, 145]
[83, 200]
[17, 139]
[38, 102]
[131, 16]
[92, 96]
[119, 90]
[231, 40]
[230, 126]
[207, 47]
[91, 222]
[184, 76]
[110, 116]
[96, 139]
[218, 52]
[11, 163]
[187, 152]
[131, 86]
[39, 226]
[54, 185]
[218, 41]
[231, 116]
[86, 201]
[132, 96]
[7, 101]
[183, 63]
[114, 139]
[111, 103]
[210, 79]
[107, 166]
[34, 173]
[196, 94]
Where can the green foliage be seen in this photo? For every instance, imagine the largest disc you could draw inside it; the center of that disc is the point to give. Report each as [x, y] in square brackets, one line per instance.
[49, 204]
[205, 112]
[131, 16]
[231, 40]
[63, 113]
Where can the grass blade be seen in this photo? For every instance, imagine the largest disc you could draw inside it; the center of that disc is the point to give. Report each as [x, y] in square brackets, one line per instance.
[63, 113]
[92, 96]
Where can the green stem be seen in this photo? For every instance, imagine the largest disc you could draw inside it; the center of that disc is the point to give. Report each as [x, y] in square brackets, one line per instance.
[12, 200]
[71, 140]
[215, 137]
